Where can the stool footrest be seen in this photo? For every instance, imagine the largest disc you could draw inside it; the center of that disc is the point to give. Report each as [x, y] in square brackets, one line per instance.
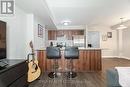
[52, 75]
[71, 74]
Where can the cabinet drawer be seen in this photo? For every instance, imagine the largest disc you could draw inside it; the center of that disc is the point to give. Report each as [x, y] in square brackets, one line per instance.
[21, 82]
[12, 74]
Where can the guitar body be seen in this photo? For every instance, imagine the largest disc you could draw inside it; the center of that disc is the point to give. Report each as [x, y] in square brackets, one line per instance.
[33, 73]
[33, 69]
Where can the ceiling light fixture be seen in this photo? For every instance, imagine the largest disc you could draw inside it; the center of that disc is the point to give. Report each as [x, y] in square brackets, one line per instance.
[66, 22]
[121, 26]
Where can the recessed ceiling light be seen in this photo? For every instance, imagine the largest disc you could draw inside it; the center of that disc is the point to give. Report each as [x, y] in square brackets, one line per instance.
[67, 22]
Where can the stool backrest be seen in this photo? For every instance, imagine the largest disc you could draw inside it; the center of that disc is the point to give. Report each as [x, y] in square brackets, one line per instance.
[53, 53]
[71, 53]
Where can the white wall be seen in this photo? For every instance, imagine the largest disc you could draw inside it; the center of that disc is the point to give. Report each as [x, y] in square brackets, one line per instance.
[126, 43]
[21, 29]
[120, 43]
[39, 42]
[29, 32]
[46, 37]
[110, 45]
[16, 34]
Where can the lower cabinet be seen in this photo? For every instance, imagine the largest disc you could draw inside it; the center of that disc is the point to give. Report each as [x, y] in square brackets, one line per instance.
[89, 60]
[21, 82]
[14, 75]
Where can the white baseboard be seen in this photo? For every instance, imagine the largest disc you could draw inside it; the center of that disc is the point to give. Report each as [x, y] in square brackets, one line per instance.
[109, 56]
[125, 57]
[116, 57]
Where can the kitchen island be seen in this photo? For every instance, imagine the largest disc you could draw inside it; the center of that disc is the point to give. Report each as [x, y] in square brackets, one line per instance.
[89, 60]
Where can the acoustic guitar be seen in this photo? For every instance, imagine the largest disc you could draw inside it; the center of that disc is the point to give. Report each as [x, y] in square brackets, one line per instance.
[34, 70]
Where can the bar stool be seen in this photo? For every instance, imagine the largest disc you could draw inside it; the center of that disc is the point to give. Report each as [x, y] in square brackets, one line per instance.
[71, 53]
[55, 54]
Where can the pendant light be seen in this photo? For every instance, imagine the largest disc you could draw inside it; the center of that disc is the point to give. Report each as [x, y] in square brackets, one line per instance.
[121, 26]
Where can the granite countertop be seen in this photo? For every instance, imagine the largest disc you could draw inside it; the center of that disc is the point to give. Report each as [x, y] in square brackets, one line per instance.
[80, 48]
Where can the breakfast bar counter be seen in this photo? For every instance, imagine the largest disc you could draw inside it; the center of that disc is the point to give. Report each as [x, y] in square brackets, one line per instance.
[89, 60]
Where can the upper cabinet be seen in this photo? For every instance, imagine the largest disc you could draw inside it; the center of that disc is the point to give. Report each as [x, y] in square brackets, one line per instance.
[53, 34]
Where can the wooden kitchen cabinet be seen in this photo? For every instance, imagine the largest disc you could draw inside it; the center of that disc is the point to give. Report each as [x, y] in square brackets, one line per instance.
[53, 34]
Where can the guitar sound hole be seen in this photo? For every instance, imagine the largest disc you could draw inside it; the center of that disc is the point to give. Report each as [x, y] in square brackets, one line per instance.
[35, 67]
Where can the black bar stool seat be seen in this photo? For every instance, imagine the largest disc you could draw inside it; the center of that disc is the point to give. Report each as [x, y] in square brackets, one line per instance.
[71, 53]
[53, 53]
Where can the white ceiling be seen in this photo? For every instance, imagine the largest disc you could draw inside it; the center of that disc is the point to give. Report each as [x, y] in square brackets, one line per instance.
[89, 12]
[80, 12]
[39, 8]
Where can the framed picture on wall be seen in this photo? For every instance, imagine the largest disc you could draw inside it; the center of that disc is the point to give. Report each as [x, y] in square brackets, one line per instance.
[109, 34]
[40, 31]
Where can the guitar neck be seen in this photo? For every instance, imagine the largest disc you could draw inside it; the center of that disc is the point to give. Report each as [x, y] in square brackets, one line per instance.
[31, 45]
[33, 56]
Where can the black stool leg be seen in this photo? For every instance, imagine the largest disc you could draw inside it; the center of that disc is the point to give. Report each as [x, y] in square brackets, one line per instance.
[54, 74]
[71, 74]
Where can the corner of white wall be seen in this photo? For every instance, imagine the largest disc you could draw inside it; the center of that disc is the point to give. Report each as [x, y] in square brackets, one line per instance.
[29, 32]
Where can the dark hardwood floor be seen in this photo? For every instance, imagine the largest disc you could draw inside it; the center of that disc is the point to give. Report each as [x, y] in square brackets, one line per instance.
[84, 79]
